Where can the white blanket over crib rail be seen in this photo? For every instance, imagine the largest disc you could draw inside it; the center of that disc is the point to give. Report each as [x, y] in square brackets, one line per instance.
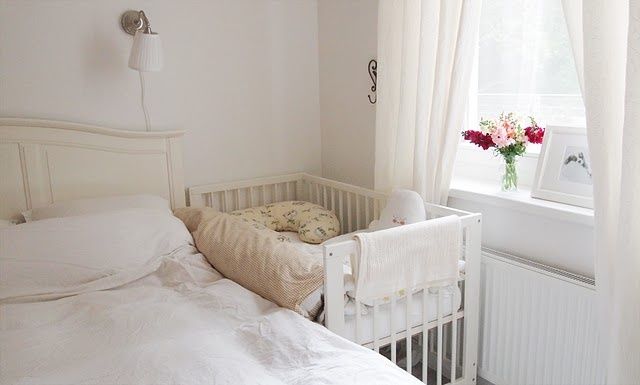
[407, 256]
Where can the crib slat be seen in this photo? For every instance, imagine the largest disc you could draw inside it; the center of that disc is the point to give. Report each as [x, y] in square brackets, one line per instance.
[358, 322]
[349, 222]
[454, 336]
[224, 201]
[250, 196]
[340, 204]
[376, 342]
[317, 200]
[333, 199]
[439, 363]
[367, 214]
[237, 202]
[358, 213]
[425, 336]
[262, 198]
[376, 209]
[325, 200]
[275, 192]
[392, 329]
[408, 316]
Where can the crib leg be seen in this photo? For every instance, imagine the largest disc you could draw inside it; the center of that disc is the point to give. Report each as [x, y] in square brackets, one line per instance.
[472, 299]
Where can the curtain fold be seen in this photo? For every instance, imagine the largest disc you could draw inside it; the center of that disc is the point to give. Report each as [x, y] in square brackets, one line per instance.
[573, 17]
[425, 57]
[607, 33]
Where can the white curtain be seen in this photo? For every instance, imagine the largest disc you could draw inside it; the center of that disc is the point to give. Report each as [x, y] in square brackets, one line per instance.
[608, 34]
[425, 57]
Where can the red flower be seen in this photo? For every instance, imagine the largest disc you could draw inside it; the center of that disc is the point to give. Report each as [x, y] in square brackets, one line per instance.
[478, 138]
[534, 133]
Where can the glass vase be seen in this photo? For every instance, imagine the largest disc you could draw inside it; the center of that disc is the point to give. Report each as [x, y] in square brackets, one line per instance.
[510, 176]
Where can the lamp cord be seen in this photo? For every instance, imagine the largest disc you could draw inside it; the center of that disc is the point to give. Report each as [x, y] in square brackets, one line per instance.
[144, 106]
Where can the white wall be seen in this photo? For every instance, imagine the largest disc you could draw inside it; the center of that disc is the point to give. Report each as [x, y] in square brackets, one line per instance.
[241, 76]
[257, 84]
[563, 243]
[347, 41]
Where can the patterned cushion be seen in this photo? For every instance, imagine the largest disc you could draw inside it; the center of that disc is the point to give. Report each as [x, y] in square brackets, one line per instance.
[314, 223]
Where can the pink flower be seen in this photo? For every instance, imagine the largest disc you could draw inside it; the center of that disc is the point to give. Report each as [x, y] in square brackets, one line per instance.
[501, 138]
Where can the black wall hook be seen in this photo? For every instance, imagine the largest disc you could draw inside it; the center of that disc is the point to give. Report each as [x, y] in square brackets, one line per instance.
[373, 74]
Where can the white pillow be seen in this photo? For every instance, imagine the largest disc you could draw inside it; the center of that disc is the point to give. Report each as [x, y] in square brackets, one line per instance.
[403, 207]
[96, 205]
[63, 255]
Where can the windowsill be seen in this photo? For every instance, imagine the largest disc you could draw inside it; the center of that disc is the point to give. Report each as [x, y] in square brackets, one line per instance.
[520, 200]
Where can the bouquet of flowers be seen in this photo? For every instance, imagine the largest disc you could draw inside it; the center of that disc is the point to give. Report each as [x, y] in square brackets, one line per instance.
[509, 139]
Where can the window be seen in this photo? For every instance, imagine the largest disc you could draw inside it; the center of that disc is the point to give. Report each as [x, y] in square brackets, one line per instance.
[525, 63]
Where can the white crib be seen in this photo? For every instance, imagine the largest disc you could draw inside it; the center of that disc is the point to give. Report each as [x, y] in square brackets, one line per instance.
[449, 342]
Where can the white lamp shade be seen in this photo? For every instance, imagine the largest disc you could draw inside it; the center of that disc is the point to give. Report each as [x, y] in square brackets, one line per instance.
[146, 52]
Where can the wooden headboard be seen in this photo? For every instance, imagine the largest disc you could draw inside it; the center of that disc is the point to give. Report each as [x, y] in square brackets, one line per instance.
[42, 162]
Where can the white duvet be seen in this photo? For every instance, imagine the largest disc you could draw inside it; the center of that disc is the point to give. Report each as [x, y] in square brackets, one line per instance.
[138, 318]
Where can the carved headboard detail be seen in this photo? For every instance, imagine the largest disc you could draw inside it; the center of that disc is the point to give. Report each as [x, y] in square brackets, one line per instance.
[42, 162]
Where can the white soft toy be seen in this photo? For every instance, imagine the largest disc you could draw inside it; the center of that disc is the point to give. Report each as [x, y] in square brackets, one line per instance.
[403, 207]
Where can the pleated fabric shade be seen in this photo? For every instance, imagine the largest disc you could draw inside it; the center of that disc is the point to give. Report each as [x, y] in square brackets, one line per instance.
[146, 52]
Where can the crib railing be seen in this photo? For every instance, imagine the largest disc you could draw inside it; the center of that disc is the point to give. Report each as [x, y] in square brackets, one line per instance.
[354, 206]
[232, 196]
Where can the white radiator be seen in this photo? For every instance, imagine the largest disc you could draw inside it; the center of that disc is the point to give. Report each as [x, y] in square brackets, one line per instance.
[537, 324]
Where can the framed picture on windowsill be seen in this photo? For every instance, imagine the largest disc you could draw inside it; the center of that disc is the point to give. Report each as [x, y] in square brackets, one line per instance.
[564, 168]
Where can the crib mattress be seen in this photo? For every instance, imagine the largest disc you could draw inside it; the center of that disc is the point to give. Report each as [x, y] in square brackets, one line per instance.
[451, 299]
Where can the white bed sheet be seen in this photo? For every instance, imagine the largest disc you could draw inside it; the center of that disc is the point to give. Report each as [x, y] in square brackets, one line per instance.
[177, 322]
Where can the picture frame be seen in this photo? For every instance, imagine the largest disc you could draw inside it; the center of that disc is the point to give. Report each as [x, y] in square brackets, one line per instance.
[564, 172]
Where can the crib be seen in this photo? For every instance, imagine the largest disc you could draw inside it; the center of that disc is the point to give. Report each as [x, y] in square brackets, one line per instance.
[447, 337]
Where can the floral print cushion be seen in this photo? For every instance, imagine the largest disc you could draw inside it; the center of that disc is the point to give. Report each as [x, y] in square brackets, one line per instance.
[314, 223]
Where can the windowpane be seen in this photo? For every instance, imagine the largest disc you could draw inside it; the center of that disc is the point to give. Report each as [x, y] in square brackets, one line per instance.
[525, 63]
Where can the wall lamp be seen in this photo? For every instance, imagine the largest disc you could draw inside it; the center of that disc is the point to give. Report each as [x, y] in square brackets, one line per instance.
[146, 51]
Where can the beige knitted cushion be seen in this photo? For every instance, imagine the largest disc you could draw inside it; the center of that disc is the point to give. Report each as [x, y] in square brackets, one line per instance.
[256, 258]
[314, 223]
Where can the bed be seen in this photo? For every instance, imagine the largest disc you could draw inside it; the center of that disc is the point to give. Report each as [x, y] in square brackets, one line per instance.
[123, 296]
